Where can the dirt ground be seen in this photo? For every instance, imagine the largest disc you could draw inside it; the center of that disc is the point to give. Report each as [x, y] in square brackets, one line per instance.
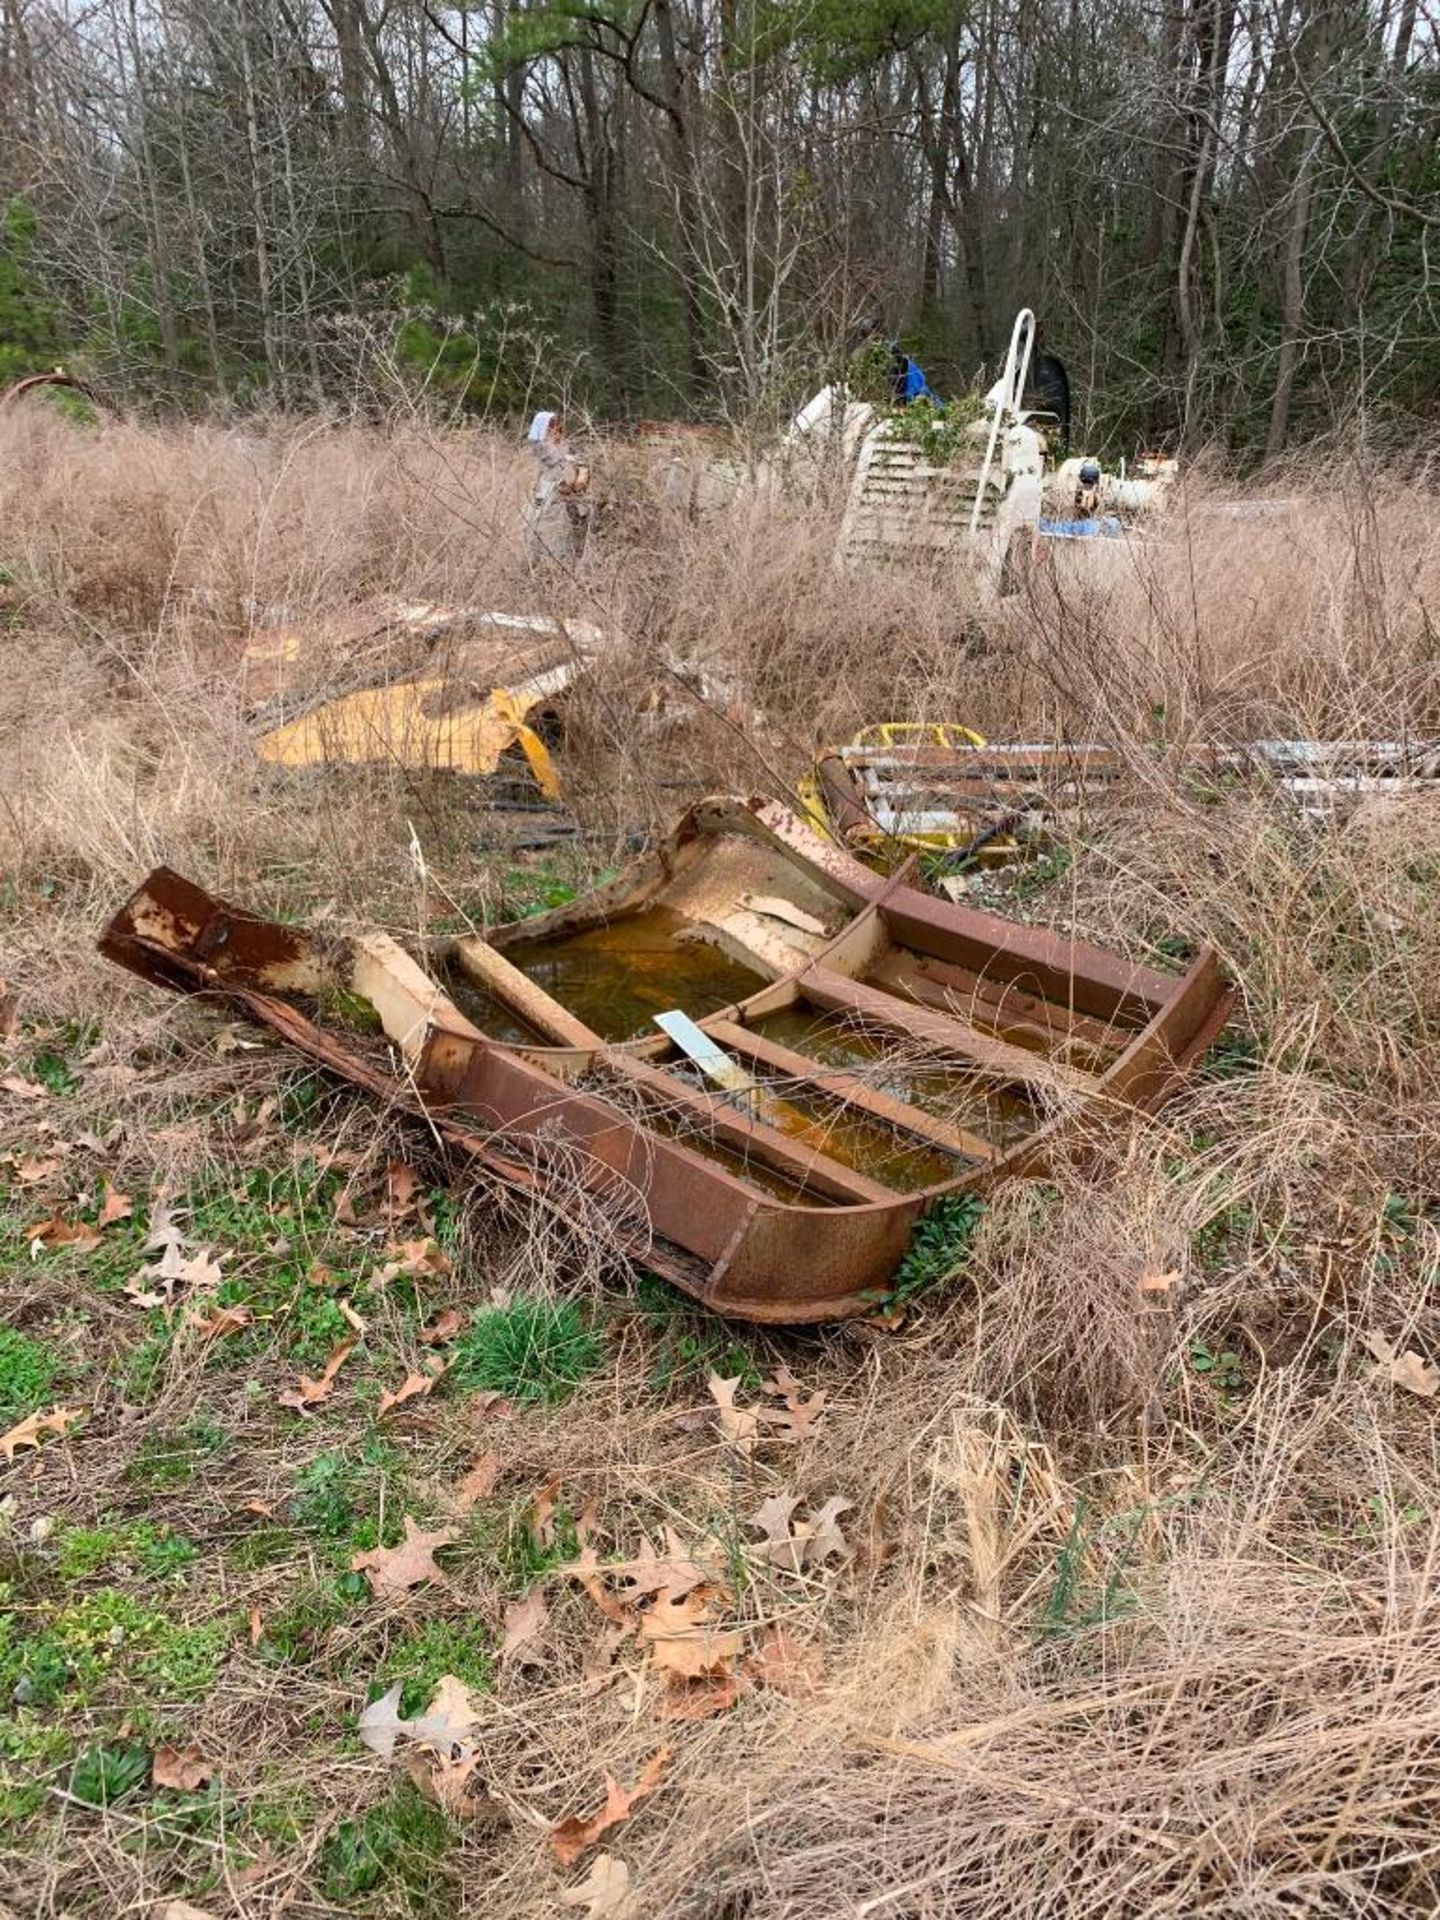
[1102, 1582]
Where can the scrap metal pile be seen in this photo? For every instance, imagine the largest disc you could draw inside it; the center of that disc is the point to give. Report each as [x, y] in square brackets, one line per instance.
[940, 789]
[759, 1060]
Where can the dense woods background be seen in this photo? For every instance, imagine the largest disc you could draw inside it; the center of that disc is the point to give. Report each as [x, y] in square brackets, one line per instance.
[1224, 211]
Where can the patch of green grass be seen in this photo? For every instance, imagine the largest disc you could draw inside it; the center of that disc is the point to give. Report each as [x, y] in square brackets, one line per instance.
[1036, 875]
[297, 1634]
[145, 1363]
[689, 1346]
[28, 1370]
[165, 1461]
[531, 1351]
[71, 1656]
[398, 1849]
[423, 1658]
[31, 1752]
[338, 1495]
[102, 1776]
[143, 1547]
[939, 1246]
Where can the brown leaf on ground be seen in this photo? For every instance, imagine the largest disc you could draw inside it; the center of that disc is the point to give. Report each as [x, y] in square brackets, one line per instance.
[257, 1626]
[9, 1013]
[22, 1088]
[414, 1387]
[446, 1324]
[587, 1571]
[310, 1392]
[488, 1405]
[441, 1728]
[452, 1784]
[159, 1283]
[739, 1428]
[781, 1547]
[701, 1699]
[115, 1206]
[524, 1623]
[181, 1910]
[395, 1570]
[32, 1431]
[682, 1636]
[357, 1321]
[402, 1185]
[604, 1892]
[600, 1669]
[571, 1836]
[542, 1515]
[479, 1482]
[32, 1168]
[794, 1545]
[414, 1257]
[164, 1229]
[588, 1525]
[1407, 1370]
[673, 1571]
[59, 1232]
[183, 1768]
[786, 1665]
[219, 1321]
[802, 1411]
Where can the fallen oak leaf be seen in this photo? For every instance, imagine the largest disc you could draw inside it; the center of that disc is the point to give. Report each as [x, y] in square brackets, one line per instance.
[59, 1232]
[702, 1698]
[32, 1431]
[571, 1836]
[785, 1665]
[587, 1571]
[479, 1482]
[114, 1206]
[33, 1168]
[220, 1321]
[1407, 1370]
[402, 1183]
[442, 1727]
[674, 1572]
[413, 1387]
[257, 1626]
[416, 1258]
[604, 1892]
[310, 1392]
[825, 1535]
[802, 1411]
[349, 1314]
[683, 1638]
[446, 1324]
[451, 1785]
[781, 1546]
[524, 1623]
[739, 1428]
[395, 1570]
[22, 1088]
[184, 1769]
[542, 1516]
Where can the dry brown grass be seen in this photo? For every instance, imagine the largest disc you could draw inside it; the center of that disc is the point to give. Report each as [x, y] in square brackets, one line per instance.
[1116, 1640]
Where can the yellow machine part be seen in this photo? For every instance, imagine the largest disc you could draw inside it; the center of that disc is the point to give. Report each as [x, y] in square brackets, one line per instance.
[415, 724]
[885, 849]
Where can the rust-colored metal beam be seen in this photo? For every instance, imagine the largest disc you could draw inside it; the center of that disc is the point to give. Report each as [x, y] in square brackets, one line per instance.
[942, 1034]
[850, 1091]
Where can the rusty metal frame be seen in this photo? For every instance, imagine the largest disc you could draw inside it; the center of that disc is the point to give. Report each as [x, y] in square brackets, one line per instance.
[687, 1200]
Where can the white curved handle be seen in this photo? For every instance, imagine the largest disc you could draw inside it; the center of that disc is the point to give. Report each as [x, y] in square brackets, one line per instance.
[1005, 397]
